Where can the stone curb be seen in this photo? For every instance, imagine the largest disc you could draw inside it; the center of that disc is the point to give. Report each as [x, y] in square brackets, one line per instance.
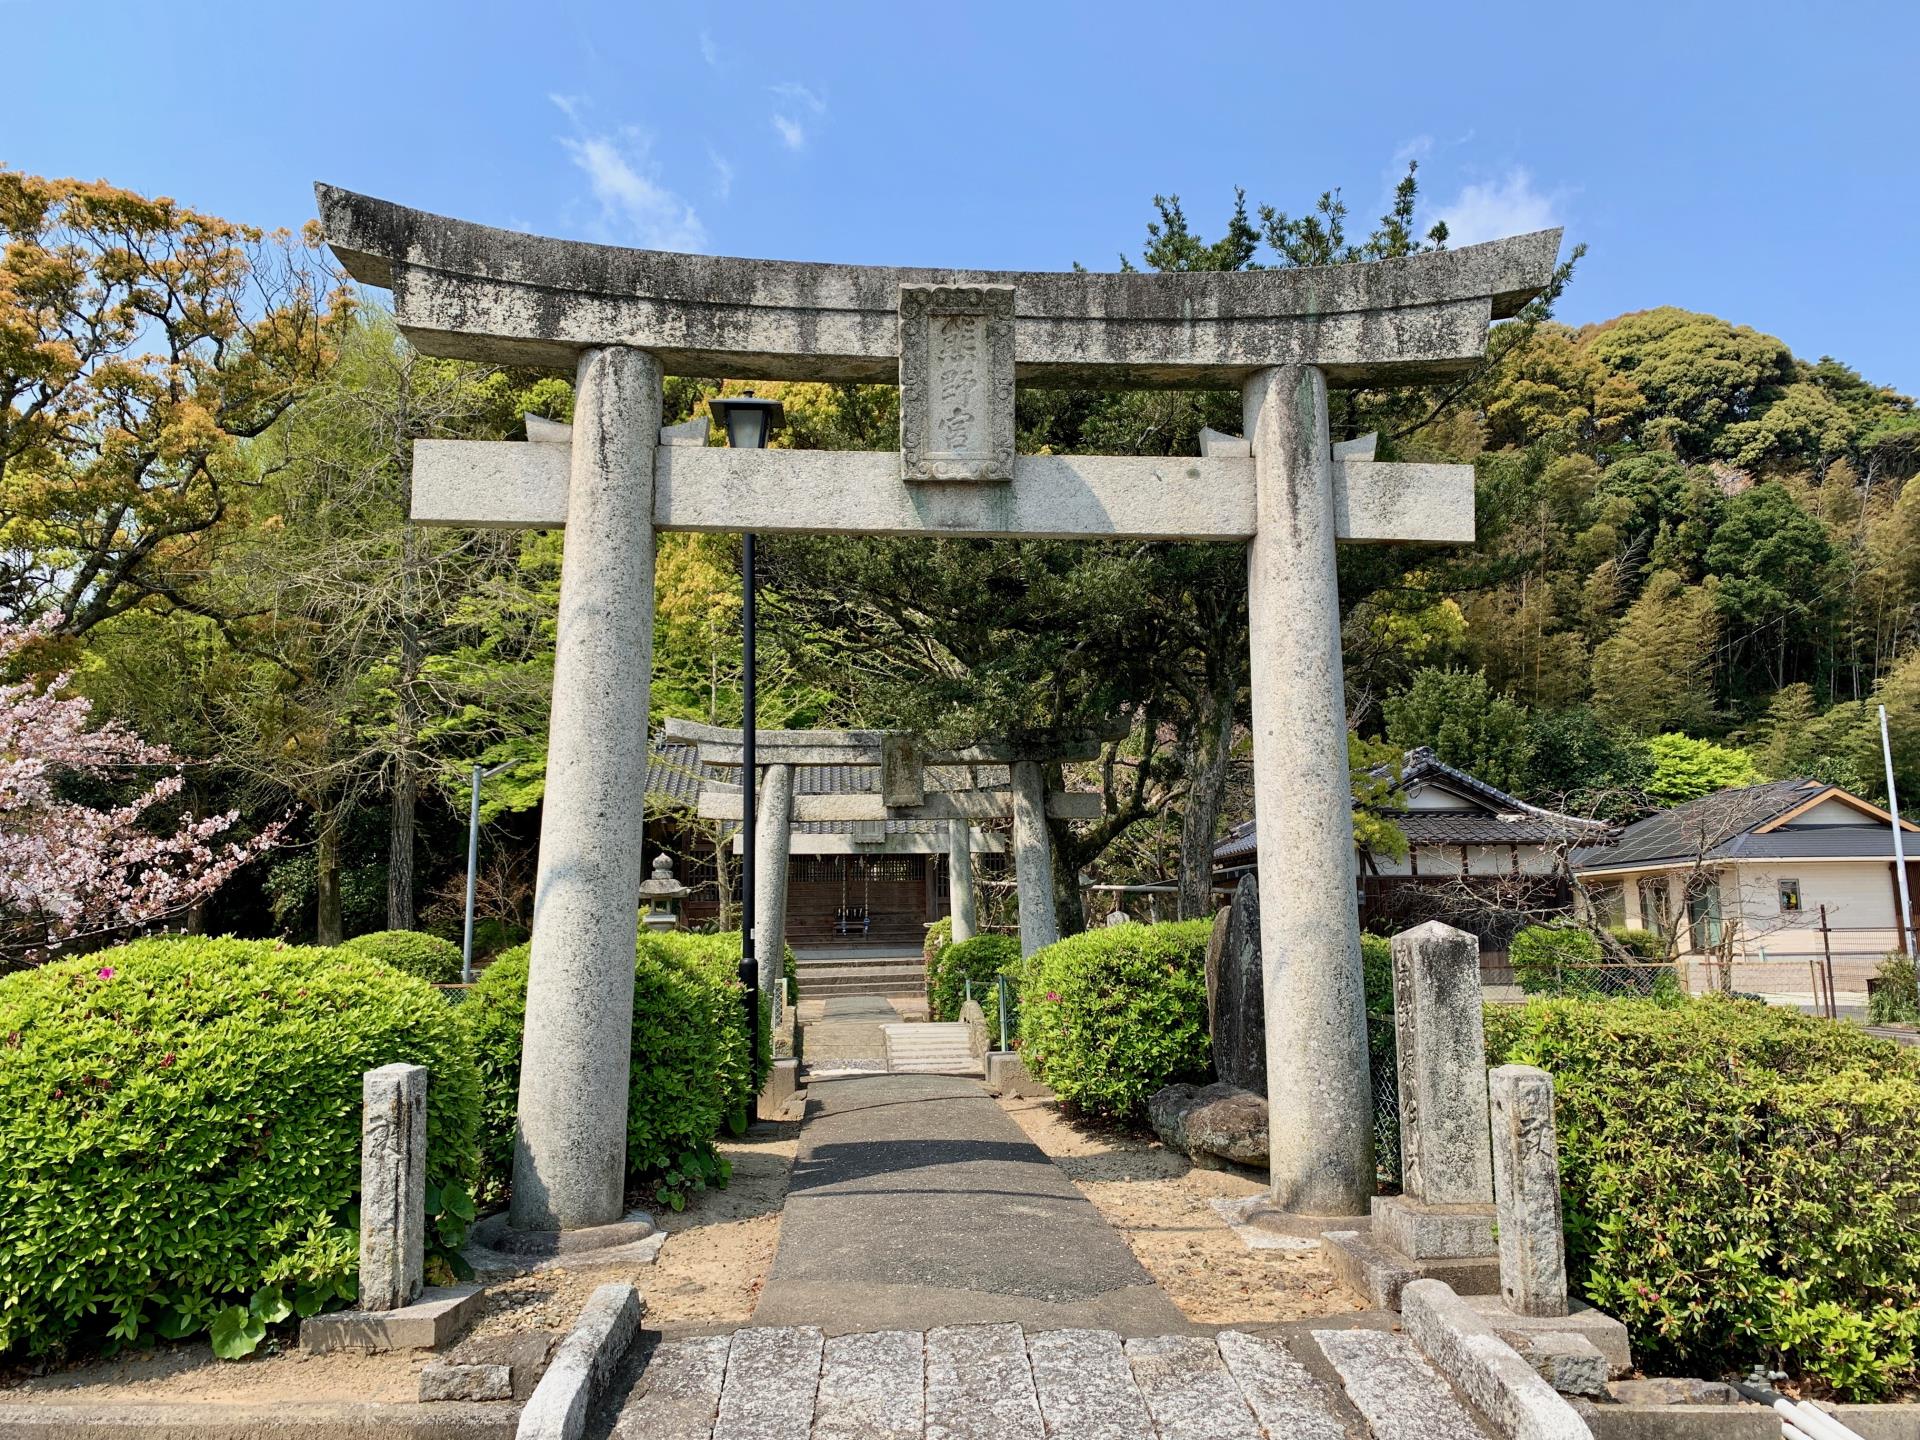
[562, 1401]
[1516, 1402]
[356, 1420]
[1744, 1421]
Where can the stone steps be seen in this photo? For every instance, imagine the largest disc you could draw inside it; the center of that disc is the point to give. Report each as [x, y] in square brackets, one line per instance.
[923, 1049]
[884, 975]
[998, 1382]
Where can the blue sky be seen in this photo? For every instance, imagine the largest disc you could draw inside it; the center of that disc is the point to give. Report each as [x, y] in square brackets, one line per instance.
[1758, 161]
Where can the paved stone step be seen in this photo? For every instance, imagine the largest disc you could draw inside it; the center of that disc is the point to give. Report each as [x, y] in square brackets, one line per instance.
[1391, 1384]
[999, 1382]
[924, 1049]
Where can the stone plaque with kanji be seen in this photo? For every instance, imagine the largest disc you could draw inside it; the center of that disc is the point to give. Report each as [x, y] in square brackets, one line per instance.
[956, 382]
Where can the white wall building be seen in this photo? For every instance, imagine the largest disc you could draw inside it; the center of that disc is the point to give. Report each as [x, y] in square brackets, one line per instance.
[1775, 878]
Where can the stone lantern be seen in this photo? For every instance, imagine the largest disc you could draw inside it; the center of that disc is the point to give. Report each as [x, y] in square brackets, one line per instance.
[660, 891]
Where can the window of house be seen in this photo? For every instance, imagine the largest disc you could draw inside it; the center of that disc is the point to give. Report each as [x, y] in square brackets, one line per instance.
[1609, 903]
[1653, 904]
[1789, 897]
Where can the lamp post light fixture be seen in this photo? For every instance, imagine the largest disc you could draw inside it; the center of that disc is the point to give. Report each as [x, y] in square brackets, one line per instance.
[749, 422]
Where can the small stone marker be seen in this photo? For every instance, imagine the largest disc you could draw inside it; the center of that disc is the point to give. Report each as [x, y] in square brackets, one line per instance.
[393, 1186]
[1445, 1147]
[1526, 1182]
[956, 382]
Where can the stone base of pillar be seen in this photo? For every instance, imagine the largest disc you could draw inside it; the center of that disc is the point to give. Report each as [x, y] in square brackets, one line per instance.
[1008, 1077]
[776, 1098]
[1525, 1332]
[1378, 1274]
[1434, 1232]
[432, 1321]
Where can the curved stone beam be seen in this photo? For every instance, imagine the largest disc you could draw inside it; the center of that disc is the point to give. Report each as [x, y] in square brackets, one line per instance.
[473, 292]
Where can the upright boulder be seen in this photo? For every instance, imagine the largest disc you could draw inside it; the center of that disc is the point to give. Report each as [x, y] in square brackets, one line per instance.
[1236, 1005]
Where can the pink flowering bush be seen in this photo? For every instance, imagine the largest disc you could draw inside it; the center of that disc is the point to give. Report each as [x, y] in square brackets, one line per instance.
[1108, 1017]
[180, 1137]
[70, 871]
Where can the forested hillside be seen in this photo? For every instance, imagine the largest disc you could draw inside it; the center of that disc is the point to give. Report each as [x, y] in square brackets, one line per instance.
[1698, 563]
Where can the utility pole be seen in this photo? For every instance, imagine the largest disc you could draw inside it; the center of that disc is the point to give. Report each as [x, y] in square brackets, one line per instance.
[1899, 843]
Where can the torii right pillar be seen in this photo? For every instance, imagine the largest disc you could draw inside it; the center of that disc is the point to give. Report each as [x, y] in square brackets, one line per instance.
[1319, 1089]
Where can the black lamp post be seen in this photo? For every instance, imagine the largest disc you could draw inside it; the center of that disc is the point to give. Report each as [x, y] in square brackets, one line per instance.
[749, 422]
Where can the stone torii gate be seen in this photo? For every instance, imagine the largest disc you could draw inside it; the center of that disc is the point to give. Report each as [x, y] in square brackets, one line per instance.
[915, 784]
[957, 342]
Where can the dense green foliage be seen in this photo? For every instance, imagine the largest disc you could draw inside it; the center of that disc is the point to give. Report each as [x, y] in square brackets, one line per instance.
[180, 1121]
[939, 936]
[1568, 960]
[1740, 1183]
[1896, 995]
[981, 960]
[1109, 1016]
[689, 1077]
[425, 957]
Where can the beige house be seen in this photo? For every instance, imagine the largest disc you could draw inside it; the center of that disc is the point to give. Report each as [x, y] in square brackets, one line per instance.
[1773, 880]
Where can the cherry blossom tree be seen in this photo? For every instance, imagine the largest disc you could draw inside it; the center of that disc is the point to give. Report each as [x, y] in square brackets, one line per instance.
[72, 873]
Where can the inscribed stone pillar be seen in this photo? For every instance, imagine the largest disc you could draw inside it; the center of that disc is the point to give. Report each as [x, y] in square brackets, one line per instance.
[569, 1162]
[960, 879]
[1446, 1149]
[1033, 858]
[773, 838]
[393, 1186]
[1319, 1093]
[1526, 1186]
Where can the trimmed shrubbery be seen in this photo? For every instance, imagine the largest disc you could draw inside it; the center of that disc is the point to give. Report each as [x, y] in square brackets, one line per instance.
[425, 957]
[1740, 1183]
[981, 960]
[180, 1127]
[690, 1059]
[1566, 960]
[1895, 997]
[1110, 1016]
[939, 937]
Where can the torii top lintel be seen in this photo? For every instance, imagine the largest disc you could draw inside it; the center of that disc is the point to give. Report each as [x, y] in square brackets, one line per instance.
[474, 292]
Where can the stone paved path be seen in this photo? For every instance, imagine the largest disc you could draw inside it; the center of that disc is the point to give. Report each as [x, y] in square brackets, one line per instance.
[915, 1201]
[1000, 1382]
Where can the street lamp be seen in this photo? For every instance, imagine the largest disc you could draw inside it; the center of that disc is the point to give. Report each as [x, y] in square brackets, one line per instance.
[480, 772]
[749, 423]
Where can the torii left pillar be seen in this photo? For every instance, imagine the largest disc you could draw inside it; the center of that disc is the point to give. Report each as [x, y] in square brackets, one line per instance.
[570, 1151]
[773, 842]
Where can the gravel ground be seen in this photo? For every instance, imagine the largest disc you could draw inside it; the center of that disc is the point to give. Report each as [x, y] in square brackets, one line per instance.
[1158, 1201]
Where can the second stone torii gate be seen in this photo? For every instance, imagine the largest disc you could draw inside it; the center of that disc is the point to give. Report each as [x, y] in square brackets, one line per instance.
[915, 784]
[956, 342]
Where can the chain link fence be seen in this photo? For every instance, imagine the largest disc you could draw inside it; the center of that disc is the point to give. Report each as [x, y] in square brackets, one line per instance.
[1385, 1065]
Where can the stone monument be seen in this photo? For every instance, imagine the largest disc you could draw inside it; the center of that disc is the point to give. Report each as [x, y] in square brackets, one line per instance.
[1574, 1345]
[1441, 1225]
[1235, 993]
[618, 320]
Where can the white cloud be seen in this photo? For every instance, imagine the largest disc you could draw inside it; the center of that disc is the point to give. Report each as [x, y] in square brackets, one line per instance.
[722, 174]
[634, 206]
[1418, 148]
[800, 95]
[709, 51]
[792, 133]
[1508, 206]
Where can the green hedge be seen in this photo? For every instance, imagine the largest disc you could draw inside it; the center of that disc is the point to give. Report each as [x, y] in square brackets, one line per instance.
[689, 1075]
[1110, 1016]
[981, 960]
[425, 957]
[180, 1121]
[1740, 1183]
[1566, 960]
[1896, 993]
[939, 937]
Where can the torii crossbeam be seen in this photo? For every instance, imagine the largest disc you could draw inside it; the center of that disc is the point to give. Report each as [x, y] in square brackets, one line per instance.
[957, 342]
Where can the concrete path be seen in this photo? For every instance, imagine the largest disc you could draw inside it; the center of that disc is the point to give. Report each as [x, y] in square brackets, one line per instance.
[1000, 1382]
[916, 1202]
[847, 1032]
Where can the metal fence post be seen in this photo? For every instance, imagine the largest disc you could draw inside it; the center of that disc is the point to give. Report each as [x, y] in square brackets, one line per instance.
[1003, 1012]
